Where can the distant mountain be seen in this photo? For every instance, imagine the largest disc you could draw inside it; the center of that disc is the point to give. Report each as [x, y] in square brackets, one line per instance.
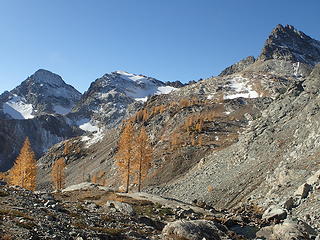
[48, 110]
[113, 96]
[42, 93]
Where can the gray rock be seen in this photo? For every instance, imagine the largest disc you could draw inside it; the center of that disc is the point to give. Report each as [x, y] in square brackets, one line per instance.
[289, 204]
[303, 190]
[274, 212]
[288, 230]
[192, 230]
[124, 208]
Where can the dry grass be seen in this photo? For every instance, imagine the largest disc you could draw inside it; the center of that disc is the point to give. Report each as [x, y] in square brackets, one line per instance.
[7, 237]
[14, 213]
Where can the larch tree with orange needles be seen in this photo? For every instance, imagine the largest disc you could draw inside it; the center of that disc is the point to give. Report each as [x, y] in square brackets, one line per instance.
[142, 157]
[24, 171]
[57, 174]
[124, 155]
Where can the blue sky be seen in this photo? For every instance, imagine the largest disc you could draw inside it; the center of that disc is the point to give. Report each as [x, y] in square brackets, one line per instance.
[166, 39]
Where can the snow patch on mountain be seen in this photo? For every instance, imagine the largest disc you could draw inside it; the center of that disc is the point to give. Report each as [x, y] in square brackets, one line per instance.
[240, 87]
[143, 86]
[86, 125]
[94, 138]
[17, 108]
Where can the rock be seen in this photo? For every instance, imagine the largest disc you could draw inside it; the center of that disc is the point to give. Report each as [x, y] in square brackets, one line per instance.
[192, 230]
[80, 186]
[149, 222]
[314, 179]
[289, 204]
[303, 190]
[274, 212]
[49, 203]
[288, 230]
[237, 67]
[124, 208]
[47, 196]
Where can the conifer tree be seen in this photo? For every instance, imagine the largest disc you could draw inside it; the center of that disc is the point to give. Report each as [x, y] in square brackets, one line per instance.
[125, 153]
[57, 174]
[142, 157]
[24, 171]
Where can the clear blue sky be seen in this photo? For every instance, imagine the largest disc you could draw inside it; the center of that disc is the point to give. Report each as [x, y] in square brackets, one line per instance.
[167, 39]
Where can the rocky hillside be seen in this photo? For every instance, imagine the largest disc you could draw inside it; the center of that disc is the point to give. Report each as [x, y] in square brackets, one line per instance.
[88, 211]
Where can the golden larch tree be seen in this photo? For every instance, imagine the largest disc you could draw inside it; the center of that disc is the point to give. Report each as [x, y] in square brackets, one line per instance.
[142, 157]
[24, 171]
[57, 173]
[125, 153]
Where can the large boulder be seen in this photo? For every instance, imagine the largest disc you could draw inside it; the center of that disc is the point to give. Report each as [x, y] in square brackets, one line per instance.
[288, 230]
[274, 213]
[193, 230]
[122, 207]
[303, 190]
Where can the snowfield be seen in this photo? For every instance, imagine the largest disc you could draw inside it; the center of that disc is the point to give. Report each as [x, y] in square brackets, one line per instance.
[240, 87]
[86, 125]
[17, 108]
[143, 87]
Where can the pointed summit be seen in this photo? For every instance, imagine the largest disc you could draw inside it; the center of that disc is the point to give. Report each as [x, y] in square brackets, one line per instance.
[287, 43]
[45, 76]
[43, 92]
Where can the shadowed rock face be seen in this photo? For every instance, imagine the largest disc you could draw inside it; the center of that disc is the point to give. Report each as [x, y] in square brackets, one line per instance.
[43, 131]
[287, 43]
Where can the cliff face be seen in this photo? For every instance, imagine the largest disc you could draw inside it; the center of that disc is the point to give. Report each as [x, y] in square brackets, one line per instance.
[43, 131]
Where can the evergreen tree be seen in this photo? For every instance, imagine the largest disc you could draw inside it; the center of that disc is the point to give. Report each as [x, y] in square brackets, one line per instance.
[24, 171]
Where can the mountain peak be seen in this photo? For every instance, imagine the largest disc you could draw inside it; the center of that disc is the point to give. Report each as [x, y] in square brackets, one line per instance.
[45, 76]
[288, 43]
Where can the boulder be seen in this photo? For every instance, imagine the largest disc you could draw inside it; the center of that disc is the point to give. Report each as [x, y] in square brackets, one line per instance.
[122, 207]
[288, 230]
[193, 230]
[80, 186]
[303, 190]
[289, 204]
[274, 212]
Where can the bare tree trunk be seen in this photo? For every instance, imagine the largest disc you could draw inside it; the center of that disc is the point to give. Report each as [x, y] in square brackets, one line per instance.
[128, 177]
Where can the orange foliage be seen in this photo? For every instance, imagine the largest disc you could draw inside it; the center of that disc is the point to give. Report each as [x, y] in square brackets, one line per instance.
[142, 157]
[23, 173]
[125, 153]
[57, 174]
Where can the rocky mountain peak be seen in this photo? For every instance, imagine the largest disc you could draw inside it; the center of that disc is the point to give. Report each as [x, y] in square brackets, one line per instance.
[290, 44]
[43, 76]
[42, 93]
